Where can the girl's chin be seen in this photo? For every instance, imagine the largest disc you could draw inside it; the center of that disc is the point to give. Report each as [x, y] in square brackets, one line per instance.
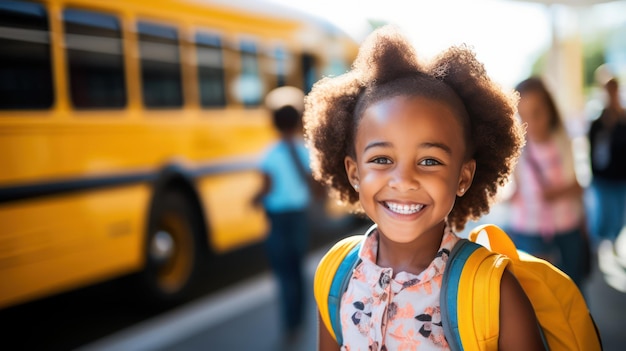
[399, 233]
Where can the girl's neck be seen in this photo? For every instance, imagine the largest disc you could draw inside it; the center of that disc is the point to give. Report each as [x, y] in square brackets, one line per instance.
[412, 257]
[540, 138]
[615, 104]
[289, 135]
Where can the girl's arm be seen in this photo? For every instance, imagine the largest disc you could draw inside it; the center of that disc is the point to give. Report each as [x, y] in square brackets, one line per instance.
[325, 341]
[266, 185]
[572, 190]
[519, 329]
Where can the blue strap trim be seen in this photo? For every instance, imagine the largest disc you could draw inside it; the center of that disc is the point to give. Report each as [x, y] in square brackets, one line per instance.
[543, 337]
[449, 291]
[339, 286]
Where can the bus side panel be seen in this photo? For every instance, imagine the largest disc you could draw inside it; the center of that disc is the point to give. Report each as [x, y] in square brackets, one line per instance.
[232, 219]
[57, 243]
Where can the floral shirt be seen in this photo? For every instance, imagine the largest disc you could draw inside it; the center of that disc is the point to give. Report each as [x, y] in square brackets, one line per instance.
[379, 312]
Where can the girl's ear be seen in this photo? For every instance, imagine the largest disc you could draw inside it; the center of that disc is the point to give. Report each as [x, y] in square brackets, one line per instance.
[467, 176]
[352, 171]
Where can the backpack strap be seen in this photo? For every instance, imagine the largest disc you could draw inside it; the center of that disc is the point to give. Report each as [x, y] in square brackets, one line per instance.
[494, 238]
[470, 295]
[331, 281]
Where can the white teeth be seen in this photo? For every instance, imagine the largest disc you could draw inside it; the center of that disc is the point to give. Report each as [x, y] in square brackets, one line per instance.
[404, 209]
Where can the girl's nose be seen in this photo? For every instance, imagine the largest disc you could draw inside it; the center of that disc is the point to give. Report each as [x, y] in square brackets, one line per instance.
[404, 178]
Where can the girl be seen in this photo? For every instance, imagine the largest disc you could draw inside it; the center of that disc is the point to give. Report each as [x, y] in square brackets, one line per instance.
[406, 141]
[547, 207]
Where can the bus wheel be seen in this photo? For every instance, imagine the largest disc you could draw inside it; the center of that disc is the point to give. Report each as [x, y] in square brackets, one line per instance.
[173, 248]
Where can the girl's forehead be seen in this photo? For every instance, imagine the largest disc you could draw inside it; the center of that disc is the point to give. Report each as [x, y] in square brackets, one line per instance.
[531, 100]
[409, 120]
[405, 110]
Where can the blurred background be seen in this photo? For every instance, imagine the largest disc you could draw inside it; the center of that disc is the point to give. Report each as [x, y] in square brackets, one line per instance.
[131, 133]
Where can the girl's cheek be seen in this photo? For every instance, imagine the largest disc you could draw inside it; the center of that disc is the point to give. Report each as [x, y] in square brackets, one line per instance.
[370, 178]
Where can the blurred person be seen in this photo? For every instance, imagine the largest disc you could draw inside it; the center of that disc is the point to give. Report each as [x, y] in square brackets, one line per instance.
[285, 196]
[607, 141]
[547, 211]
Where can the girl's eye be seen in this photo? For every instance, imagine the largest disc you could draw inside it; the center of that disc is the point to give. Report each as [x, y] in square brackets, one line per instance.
[429, 162]
[381, 160]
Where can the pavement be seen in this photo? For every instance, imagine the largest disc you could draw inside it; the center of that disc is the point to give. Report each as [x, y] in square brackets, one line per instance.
[241, 317]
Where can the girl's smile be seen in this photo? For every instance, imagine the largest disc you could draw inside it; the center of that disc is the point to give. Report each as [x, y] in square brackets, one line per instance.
[410, 165]
[404, 209]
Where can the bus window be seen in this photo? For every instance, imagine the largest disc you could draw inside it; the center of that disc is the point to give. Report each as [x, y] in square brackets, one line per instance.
[210, 70]
[25, 65]
[160, 65]
[249, 87]
[309, 74]
[95, 61]
[281, 61]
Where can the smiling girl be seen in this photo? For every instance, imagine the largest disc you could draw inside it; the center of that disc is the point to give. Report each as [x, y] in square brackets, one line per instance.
[421, 148]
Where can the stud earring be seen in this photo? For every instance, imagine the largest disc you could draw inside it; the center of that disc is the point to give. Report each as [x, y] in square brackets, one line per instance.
[356, 187]
[462, 190]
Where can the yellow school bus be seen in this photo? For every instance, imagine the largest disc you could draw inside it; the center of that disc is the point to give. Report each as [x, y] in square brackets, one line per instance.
[130, 131]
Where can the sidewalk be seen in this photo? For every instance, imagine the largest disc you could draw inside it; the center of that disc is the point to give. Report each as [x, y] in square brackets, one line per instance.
[258, 327]
[242, 317]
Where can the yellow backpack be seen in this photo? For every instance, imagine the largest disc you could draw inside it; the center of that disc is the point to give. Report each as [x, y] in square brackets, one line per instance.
[475, 271]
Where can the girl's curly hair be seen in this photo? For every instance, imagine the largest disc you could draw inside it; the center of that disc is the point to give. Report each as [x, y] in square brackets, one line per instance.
[380, 71]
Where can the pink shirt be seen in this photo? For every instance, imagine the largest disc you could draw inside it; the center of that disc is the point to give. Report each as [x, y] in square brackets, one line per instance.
[379, 312]
[530, 213]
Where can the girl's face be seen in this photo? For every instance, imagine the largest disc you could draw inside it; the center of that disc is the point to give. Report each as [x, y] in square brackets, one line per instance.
[534, 111]
[410, 166]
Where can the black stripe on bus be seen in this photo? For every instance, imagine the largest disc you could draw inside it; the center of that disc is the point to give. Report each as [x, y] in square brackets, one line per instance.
[30, 191]
[222, 168]
[62, 187]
